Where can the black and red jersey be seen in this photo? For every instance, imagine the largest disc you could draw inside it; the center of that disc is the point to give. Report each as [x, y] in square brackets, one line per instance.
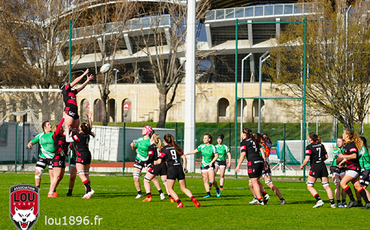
[251, 150]
[82, 143]
[153, 154]
[170, 156]
[69, 95]
[349, 149]
[317, 153]
[60, 143]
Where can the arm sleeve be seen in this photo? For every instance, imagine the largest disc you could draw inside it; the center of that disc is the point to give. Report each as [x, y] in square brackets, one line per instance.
[308, 152]
[58, 128]
[151, 153]
[243, 148]
[36, 139]
[161, 155]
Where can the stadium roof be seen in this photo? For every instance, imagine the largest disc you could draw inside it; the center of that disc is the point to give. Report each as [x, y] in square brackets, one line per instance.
[217, 4]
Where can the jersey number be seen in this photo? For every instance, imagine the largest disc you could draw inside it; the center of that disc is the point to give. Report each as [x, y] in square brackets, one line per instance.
[174, 155]
[319, 151]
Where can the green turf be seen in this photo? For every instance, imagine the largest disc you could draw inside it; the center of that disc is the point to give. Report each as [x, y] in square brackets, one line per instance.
[114, 202]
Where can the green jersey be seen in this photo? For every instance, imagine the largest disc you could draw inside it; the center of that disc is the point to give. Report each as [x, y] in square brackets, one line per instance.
[142, 146]
[364, 159]
[46, 141]
[336, 151]
[222, 151]
[208, 153]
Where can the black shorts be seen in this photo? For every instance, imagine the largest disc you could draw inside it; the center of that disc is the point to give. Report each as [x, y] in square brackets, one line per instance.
[83, 158]
[255, 169]
[175, 172]
[59, 161]
[221, 164]
[266, 172]
[338, 171]
[43, 162]
[139, 164]
[72, 111]
[318, 171]
[365, 177]
[158, 169]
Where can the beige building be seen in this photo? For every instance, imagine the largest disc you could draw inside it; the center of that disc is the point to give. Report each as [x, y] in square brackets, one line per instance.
[215, 102]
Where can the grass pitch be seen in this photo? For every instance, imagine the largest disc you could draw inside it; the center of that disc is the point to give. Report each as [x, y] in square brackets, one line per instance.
[114, 203]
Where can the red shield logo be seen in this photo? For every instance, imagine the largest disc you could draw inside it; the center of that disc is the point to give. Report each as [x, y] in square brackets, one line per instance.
[24, 205]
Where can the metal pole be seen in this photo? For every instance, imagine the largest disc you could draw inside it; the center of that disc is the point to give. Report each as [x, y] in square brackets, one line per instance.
[16, 150]
[190, 85]
[70, 50]
[124, 145]
[115, 98]
[284, 146]
[236, 93]
[230, 142]
[262, 59]
[304, 93]
[23, 128]
[242, 92]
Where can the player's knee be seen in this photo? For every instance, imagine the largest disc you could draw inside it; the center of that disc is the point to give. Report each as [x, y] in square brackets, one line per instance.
[80, 172]
[337, 181]
[268, 182]
[146, 179]
[325, 184]
[310, 184]
[136, 175]
[38, 172]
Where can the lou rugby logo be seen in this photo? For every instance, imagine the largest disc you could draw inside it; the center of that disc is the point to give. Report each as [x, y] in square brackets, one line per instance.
[24, 205]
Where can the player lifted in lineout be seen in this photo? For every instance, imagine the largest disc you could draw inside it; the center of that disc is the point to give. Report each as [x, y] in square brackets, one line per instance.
[70, 115]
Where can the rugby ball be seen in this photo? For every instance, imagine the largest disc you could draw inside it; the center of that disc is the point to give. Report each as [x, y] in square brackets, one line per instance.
[105, 68]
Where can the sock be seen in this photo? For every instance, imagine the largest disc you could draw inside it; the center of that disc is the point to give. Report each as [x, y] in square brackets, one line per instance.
[221, 186]
[139, 192]
[317, 197]
[69, 190]
[68, 138]
[349, 193]
[264, 193]
[363, 195]
[343, 200]
[148, 195]
[160, 191]
[338, 201]
[178, 201]
[50, 193]
[282, 199]
[55, 190]
[87, 185]
[217, 189]
[332, 201]
[169, 196]
[260, 200]
[38, 186]
[192, 198]
[208, 193]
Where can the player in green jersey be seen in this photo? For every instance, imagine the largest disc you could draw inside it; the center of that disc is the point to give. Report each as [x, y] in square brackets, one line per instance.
[141, 146]
[365, 165]
[223, 152]
[338, 173]
[209, 156]
[46, 154]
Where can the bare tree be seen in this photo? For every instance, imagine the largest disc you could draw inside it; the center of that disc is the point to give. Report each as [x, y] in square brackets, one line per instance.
[338, 81]
[162, 39]
[107, 23]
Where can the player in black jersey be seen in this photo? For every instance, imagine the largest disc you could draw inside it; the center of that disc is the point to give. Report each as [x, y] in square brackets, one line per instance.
[171, 154]
[72, 120]
[249, 148]
[155, 170]
[351, 158]
[316, 154]
[83, 161]
[59, 160]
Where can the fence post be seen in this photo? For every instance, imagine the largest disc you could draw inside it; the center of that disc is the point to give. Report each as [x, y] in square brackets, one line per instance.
[284, 148]
[182, 138]
[229, 142]
[124, 147]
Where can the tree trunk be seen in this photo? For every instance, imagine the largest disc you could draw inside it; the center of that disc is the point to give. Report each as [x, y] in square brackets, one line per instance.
[104, 115]
[162, 110]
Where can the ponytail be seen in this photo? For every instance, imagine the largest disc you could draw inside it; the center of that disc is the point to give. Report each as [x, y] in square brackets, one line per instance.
[87, 129]
[249, 134]
[168, 138]
[315, 138]
[157, 141]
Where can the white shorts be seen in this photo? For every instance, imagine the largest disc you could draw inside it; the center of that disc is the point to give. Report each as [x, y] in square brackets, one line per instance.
[206, 169]
[352, 173]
